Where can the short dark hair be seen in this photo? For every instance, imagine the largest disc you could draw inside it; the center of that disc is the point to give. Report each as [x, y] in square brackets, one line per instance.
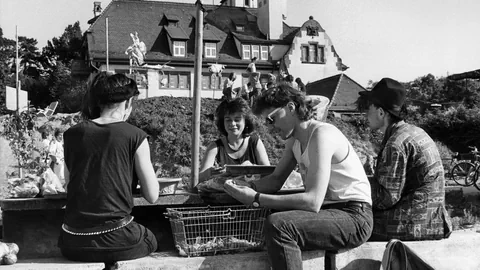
[236, 105]
[105, 89]
[280, 96]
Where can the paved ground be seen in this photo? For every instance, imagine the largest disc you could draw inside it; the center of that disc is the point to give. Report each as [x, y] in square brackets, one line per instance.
[460, 251]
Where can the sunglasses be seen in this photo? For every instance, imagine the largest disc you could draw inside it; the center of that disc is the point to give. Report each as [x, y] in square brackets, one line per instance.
[269, 120]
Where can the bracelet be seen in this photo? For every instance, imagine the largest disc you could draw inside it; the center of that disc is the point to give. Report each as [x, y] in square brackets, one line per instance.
[253, 186]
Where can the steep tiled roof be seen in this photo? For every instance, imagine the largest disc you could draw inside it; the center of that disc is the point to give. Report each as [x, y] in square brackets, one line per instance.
[342, 91]
[152, 20]
[250, 39]
[176, 32]
[227, 18]
[149, 20]
[209, 35]
[289, 32]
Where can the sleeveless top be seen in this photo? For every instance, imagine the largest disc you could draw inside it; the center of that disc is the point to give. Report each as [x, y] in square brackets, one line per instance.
[348, 181]
[223, 158]
[100, 159]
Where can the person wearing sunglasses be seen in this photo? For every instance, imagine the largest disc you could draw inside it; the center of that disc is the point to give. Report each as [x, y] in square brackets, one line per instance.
[234, 120]
[334, 211]
[105, 158]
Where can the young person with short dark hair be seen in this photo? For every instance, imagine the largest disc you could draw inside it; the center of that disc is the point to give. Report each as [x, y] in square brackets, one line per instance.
[234, 120]
[334, 211]
[105, 157]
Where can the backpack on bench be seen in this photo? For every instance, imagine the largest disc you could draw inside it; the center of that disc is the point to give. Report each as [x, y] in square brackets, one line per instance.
[398, 256]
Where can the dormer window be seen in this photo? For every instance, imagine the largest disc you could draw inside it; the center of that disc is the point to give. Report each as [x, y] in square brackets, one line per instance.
[210, 41]
[259, 51]
[179, 48]
[210, 50]
[239, 24]
[177, 39]
[172, 20]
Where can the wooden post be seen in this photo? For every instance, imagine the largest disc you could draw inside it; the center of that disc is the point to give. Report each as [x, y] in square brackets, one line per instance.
[197, 88]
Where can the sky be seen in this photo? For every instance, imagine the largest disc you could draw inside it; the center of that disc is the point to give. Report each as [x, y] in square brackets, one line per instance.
[403, 39]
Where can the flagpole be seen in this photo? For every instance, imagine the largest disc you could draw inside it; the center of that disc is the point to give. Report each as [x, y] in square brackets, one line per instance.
[106, 37]
[17, 84]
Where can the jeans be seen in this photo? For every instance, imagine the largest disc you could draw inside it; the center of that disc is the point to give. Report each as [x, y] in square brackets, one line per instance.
[287, 233]
[130, 242]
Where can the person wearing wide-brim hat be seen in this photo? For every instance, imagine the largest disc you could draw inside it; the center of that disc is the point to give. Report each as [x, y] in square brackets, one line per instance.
[408, 187]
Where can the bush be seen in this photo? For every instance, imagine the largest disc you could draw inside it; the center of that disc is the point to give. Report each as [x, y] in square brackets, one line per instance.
[457, 128]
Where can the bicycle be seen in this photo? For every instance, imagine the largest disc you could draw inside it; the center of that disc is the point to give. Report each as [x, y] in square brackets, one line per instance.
[466, 171]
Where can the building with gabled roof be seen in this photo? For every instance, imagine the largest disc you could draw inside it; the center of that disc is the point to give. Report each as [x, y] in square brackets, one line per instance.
[342, 91]
[233, 33]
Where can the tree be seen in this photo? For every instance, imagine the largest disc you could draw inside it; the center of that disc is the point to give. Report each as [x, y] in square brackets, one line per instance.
[7, 57]
[66, 47]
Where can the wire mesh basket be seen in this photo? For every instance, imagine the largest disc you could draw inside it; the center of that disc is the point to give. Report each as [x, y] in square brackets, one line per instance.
[210, 230]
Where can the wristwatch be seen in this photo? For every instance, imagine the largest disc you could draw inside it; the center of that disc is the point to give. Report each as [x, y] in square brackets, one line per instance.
[256, 203]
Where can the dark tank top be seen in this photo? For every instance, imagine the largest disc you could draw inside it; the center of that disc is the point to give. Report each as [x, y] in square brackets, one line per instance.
[223, 158]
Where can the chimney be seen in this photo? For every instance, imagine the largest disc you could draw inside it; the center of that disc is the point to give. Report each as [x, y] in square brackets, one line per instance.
[97, 8]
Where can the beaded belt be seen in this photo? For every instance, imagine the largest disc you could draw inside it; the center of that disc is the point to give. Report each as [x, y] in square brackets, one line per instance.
[99, 230]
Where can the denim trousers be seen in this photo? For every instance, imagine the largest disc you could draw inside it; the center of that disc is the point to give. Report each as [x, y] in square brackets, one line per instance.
[130, 242]
[287, 233]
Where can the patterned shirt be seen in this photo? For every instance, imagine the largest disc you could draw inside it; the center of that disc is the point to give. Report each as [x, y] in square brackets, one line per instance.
[408, 189]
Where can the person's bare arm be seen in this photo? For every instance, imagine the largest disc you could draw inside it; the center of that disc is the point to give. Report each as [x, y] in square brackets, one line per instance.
[321, 150]
[261, 154]
[146, 175]
[66, 174]
[274, 182]
[206, 168]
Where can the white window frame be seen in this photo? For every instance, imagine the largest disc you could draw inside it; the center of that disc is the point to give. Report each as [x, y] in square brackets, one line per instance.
[179, 48]
[170, 75]
[256, 51]
[210, 50]
[246, 52]
[264, 52]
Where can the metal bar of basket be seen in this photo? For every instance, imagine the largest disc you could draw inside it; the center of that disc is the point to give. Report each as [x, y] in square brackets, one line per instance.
[176, 216]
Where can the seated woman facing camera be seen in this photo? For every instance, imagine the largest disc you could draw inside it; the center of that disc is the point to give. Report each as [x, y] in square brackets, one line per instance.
[334, 211]
[234, 120]
[104, 155]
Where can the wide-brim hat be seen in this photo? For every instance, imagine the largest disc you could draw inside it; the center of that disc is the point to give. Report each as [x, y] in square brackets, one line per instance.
[388, 94]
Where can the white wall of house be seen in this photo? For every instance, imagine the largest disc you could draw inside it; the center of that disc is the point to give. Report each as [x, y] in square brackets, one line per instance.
[310, 72]
[154, 88]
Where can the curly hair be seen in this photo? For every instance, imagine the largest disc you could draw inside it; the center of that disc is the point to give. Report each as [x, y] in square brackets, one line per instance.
[236, 105]
[104, 89]
[280, 96]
